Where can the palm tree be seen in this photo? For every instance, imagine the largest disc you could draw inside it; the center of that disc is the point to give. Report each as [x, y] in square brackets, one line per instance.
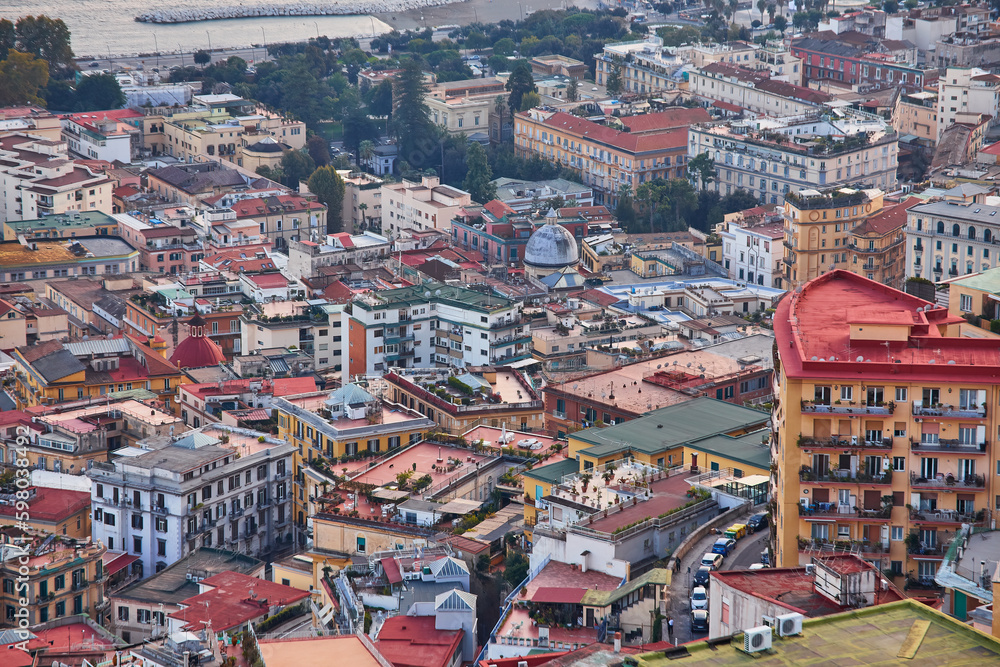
[366, 151]
[499, 108]
[733, 7]
[770, 12]
[761, 6]
[364, 223]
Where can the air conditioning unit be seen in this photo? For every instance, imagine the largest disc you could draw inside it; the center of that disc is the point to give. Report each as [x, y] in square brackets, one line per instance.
[789, 624]
[810, 568]
[757, 639]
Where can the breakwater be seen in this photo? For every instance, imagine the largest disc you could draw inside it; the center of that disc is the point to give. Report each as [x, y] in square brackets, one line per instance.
[357, 7]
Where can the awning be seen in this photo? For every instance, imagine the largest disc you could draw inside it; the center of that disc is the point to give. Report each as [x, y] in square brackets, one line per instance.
[559, 595]
[391, 569]
[117, 562]
[390, 494]
[523, 363]
[460, 506]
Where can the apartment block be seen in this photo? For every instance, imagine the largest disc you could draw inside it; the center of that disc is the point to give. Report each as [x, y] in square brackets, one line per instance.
[362, 202]
[219, 486]
[463, 106]
[952, 236]
[858, 60]
[753, 90]
[68, 225]
[103, 135]
[882, 427]
[316, 329]
[430, 325]
[753, 250]
[770, 157]
[818, 227]
[878, 245]
[648, 147]
[32, 120]
[408, 205]
[162, 248]
[964, 93]
[646, 67]
[917, 114]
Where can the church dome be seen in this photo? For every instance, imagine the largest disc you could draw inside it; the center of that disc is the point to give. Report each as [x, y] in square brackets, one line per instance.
[551, 246]
[197, 350]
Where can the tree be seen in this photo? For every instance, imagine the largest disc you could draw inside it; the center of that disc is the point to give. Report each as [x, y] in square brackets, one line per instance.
[98, 91]
[530, 101]
[202, 57]
[761, 6]
[771, 8]
[22, 76]
[298, 166]
[478, 175]
[415, 134]
[476, 41]
[515, 568]
[380, 99]
[739, 200]
[614, 83]
[366, 151]
[520, 83]
[625, 211]
[8, 38]
[500, 109]
[780, 23]
[504, 47]
[46, 39]
[573, 89]
[329, 188]
[319, 150]
[363, 207]
[702, 169]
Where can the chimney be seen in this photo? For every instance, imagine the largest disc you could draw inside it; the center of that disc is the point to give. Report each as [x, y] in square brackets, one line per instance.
[583, 564]
[618, 642]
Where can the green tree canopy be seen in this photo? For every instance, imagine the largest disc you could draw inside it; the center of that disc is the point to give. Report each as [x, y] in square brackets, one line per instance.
[22, 76]
[415, 134]
[478, 175]
[702, 169]
[46, 39]
[329, 188]
[504, 47]
[98, 91]
[319, 150]
[519, 84]
[530, 101]
[614, 84]
[202, 57]
[298, 166]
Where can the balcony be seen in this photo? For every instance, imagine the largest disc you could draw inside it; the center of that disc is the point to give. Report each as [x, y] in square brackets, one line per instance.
[948, 482]
[80, 584]
[393, 340]
[843, 546]
[848, 408]
[157, 509]
[396, 356]
[808, 474]
[946, 516]
[843, 512]
[844, 442]
[263, 504]
[948, 446]
[944, 411]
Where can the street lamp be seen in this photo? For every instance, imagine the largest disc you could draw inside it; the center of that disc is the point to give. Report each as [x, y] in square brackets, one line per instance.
[317, 29]
[373, 26]
[520, 9]
[157, 46]
[264, 35]
[207, 32]
[180, 50]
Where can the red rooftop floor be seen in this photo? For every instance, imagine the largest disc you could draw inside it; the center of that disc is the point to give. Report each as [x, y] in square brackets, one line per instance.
[668, 493]
[69, 637]
[424, 455]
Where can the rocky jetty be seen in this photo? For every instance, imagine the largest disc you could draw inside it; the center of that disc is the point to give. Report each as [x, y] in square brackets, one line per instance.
[357, 7]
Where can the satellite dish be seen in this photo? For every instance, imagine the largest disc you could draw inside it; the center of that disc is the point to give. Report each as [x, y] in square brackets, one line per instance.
[427, 294]
[860, 358]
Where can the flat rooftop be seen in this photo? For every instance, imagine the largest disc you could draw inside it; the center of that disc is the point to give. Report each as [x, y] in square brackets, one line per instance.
[668, 493]
[316, 650]
[490, 435]
[423, 455]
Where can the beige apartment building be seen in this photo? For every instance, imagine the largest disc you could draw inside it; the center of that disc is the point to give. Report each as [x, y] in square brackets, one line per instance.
[464, 106]
[32, 120]
[362, 202]
[818, 230]
[753, 90]
[420, 206]
[645, 65]
[917, 114]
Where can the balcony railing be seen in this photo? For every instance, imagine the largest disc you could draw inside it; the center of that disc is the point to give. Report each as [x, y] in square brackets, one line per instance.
[845, 442]
[947, 481]
[843, 511]
[843, 546]
[157, 509]
[808, 474]
[849, 408]
[946, 516]
[948, 446]
[949, 411]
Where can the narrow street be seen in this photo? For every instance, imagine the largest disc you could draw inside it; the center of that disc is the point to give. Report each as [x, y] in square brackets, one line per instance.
[746, 554]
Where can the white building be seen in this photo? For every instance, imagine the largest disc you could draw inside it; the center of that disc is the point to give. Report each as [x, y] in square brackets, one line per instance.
[432, 325]
[953, 237]
[646, 66]
[219, 486]
[420, 206]
[754, 253]
[769, 157]
[103, 135]
[306, 257]
[964, 93]
[753, 90]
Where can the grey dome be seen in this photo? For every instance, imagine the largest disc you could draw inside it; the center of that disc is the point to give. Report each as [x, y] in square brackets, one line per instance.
[551, 247]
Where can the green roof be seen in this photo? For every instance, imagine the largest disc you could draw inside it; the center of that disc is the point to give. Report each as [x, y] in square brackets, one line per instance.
[987, 281]
[742, 448]
[63, 221]
[456, 296]
[669, 427]
[872, 636]
[594, 598]
[554, 472]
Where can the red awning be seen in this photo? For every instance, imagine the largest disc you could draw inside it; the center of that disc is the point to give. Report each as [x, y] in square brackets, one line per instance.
[559, 595]
[118, 562]
[391, 569]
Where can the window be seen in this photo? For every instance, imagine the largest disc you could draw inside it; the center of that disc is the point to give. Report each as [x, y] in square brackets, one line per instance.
[143, 616]
[361, 545]
[896, 534]
[123, 613]
[847, 393]
[900, 394]
[137, 544]
[966, 303]
[60, 609]
[899, 463]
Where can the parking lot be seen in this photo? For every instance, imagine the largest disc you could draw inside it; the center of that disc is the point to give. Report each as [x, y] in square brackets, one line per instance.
[747, 553]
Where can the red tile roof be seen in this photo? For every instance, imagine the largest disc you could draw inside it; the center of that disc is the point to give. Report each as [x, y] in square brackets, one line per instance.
[666, 120]
[234, 600]
[116, 562]
[269, 280]
[248, 208]
[391, 569]
[888, 219]
[52, 505]
[413, 641]
[498, 208]
[626, 141]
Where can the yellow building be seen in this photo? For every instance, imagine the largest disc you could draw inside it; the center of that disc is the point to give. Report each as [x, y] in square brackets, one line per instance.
[818, 229]
[882, 431]
[52, 372]
[917, 114]
[976, 298]
[538, 483]
[13, 325]
[343, 535]
[65, 580]
[330, 427]
[703, 433]
[878, 245]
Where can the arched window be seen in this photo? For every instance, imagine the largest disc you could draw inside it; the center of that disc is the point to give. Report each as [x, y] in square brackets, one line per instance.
[987, 236]
[972, 233]
[940, 227]
[955, 231]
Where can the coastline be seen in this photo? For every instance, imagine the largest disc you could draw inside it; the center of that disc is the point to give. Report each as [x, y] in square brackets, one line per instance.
[473, 11]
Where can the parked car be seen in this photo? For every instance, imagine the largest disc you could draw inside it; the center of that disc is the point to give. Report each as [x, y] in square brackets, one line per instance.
[701, 576]
[757, 566]
[699, 620]
[95, 64]
[699, 598]
[757, 521]
[713, 561]
[724, 546]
